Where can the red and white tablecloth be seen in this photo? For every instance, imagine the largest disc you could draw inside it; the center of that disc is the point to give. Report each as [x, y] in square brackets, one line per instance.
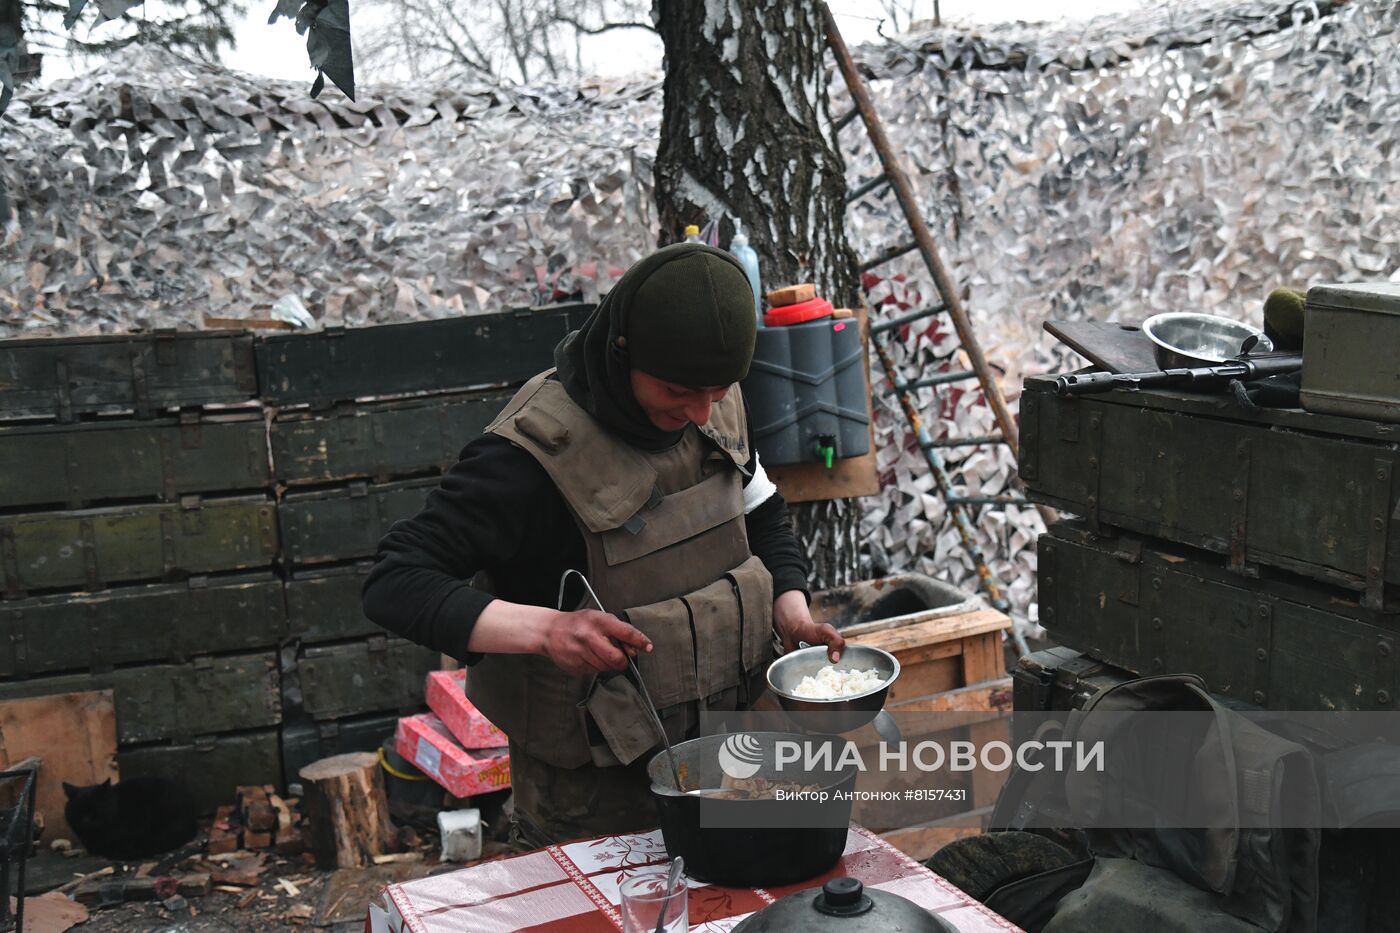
[573, 888]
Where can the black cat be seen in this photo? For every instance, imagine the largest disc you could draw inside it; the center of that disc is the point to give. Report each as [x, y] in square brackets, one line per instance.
[133, 819]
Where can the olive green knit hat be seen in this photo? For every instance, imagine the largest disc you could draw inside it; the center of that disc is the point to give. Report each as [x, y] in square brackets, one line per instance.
[691, 320]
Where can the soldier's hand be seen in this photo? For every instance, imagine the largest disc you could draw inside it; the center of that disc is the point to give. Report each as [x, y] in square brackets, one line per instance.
[793, 622]
[590, 642]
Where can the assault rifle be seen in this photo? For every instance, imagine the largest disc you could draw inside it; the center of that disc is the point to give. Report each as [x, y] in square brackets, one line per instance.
[1203, 378]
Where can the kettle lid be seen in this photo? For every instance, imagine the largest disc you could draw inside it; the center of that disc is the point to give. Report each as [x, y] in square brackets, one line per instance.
[843, 905]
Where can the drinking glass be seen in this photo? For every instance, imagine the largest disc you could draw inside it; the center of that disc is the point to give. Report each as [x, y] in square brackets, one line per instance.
[646, 903]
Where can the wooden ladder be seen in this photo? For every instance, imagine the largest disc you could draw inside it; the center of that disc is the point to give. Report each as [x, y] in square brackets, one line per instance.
[893, 178]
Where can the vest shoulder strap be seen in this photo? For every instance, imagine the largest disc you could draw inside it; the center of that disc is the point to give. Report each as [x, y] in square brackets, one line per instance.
[603, 479]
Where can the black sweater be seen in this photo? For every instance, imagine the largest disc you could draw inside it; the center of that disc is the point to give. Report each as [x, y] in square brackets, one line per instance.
[497, 510]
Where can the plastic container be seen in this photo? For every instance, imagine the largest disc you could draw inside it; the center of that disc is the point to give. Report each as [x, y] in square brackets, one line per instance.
[800, 313]
[806, 393]
[743, 252]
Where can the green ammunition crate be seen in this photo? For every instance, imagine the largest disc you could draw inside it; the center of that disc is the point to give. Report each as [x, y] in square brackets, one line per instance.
[324, 605]
[305, 742]
[372, 675]
[95, 547]
[68, 376]
[1313, 494]
[210, 766]
[177, 701]
[1060, 679]
[163, 458]
[379, 440]
[1152, 607]
[340, 364]
[346, 523]
[154, 622]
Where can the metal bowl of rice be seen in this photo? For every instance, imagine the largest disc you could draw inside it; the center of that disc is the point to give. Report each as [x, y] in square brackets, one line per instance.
[836, 697]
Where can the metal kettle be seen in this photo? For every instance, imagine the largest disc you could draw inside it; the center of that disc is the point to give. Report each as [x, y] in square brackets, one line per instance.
[843, 906]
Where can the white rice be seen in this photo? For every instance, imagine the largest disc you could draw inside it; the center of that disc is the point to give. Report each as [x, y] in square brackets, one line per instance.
[831, 684]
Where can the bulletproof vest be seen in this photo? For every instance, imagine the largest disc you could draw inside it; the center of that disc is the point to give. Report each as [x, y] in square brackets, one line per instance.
[667, 551]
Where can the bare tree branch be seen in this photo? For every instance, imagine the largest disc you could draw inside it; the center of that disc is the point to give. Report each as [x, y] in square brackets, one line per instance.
[504, 40]
[606, 27]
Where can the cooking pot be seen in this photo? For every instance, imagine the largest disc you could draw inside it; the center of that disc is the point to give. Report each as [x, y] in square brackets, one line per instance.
[752, 843]
[843, 905]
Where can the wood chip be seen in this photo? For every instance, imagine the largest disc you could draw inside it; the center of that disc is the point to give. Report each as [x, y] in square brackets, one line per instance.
[248, 898]
[228, 889]
[390, 857]
[286, 885]
[145, 870]
[81, 878]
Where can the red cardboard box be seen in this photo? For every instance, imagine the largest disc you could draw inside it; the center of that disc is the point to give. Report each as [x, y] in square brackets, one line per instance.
[425, 741]
[447, 697]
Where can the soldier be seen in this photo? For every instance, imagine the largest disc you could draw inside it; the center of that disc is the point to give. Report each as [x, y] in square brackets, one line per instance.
[632, 461]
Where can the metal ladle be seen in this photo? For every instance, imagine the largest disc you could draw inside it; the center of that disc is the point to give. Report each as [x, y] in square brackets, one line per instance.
[641, 684]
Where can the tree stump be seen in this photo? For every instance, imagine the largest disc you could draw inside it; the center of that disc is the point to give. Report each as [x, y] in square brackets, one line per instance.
[343, 797]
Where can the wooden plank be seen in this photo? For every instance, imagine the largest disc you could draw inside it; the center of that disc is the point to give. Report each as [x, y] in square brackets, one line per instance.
[936, 631]
[920, 842]
[983, 658]
[847, 479]
[931, 653]
[76, 736]
[918, 679]
[995, 695]
[1118, 348]
[246, 323]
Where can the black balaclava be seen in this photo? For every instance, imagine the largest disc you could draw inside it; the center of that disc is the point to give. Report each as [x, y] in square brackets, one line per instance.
[684, 314]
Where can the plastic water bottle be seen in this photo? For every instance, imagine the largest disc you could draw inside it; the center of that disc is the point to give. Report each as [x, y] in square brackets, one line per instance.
[743, 252]
[692, 233]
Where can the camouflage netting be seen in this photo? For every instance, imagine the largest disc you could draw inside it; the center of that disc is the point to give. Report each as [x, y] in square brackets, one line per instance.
[1108, 170]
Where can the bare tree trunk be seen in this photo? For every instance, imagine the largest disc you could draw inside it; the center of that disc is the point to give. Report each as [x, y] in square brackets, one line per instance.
[746, 134]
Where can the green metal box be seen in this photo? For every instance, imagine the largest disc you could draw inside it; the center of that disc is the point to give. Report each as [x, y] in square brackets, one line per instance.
[340, 364]
[154, 622]
[210, 766]
[1313, 494]
[177, 701]
[346, 523]
[163, 458]
[1351, 351]
[95, 547]
[373, 675]
[143, 373]
[1151, 608]
[1060, 679]
[324, 605]
[379, 440]
[305, 742]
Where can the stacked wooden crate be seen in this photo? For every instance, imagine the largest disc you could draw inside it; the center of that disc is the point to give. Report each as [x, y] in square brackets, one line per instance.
[952, 686]
[187, 519]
